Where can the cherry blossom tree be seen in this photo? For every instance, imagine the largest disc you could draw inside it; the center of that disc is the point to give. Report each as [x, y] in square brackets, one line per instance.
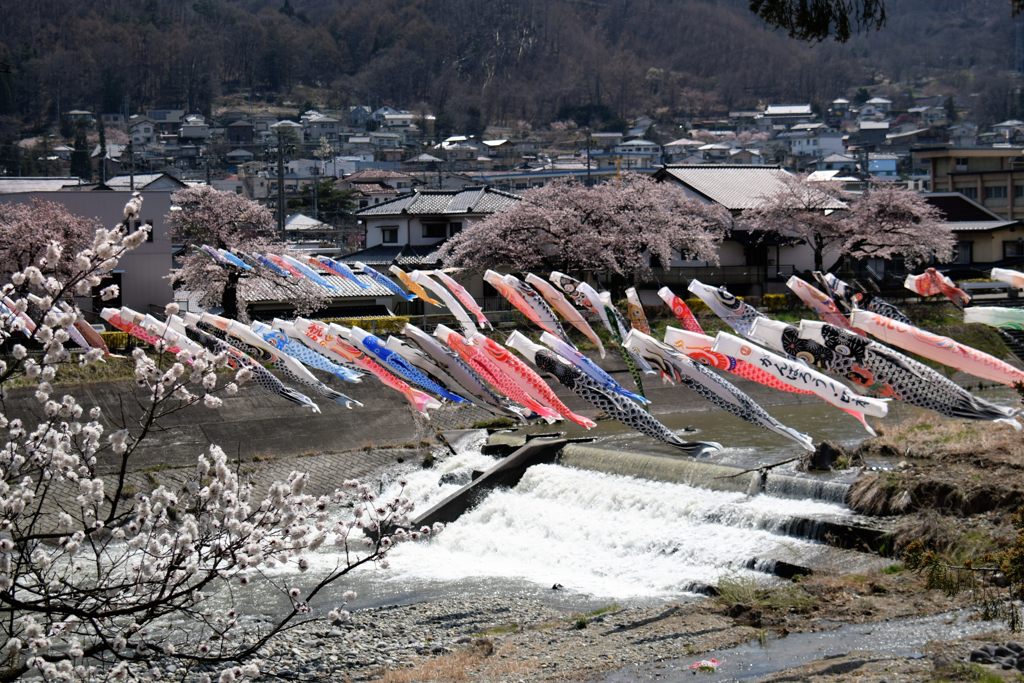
[894, 221]
[883, 223]
[224, 220]
[96, 583]
[617, 226]
[28, 230]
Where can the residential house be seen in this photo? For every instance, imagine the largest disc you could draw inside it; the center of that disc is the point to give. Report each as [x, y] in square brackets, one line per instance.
[317, 126]
[261, 128]
[148, 182]
[787, 115]
[166, 120]
[239, 133]
[372, 194]
[379, 115]
[1007, 129]
[984, 239]
[929, 116]
[239, 156]
[838, 162]
[636, 154]
[113, 119]
[410, 227]
[195, 128]
[300, 227]
[358, 115]
[80, 116]
[286, 132]
[877, 105]
[382, 140]
[840, 106]
[991, 176]
[605, 140]
[870, 135]
[680, 149]
[401, 182]
[883, 166]
[747, 261]
[747, 157]
[142, 130]
[36, 184]
[812, 140]
[141, 274]
[112, 163]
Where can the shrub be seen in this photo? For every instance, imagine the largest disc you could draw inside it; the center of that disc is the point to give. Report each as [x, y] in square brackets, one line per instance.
[774, 303]
[374, 324]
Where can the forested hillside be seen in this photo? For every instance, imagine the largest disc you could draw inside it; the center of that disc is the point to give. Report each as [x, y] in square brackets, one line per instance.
[473, 61]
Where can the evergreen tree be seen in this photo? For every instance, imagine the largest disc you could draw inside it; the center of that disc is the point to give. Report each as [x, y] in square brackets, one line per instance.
[80, 165]
[102, 170]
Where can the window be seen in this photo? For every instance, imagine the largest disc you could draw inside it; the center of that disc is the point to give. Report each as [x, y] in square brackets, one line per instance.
[1013, 248]
[454, 228]
[964, 253]
[1018, 191]
[960, 161]
[995, 192]
[969, 192]
[435, 230]
[152, 230]
[389, 234]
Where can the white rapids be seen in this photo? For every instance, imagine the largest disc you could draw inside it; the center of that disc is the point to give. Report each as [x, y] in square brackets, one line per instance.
[597, 534]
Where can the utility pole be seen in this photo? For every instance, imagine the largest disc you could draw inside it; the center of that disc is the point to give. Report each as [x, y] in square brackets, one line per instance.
[589, 181]
[280, 186]
[131, 165]
[316, 190]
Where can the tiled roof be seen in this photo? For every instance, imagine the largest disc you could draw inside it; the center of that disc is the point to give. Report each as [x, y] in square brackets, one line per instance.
[123, 182]
[964, 214]
[260, 290]
[981, 226]
[444, 202]
[41, 184]
[298, 221]
[382, 255]
[734, 187]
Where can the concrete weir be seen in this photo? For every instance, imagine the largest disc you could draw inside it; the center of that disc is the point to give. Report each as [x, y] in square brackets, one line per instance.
[839, 533]
[703, 473]
[507, 472]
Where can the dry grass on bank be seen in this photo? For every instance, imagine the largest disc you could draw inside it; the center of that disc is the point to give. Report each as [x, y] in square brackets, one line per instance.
[478, 661]
[941, 439]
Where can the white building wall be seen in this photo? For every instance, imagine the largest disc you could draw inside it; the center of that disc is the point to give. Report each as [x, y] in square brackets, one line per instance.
[145, 270]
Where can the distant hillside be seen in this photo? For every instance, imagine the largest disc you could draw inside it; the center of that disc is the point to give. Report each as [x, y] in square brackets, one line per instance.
[476, 61]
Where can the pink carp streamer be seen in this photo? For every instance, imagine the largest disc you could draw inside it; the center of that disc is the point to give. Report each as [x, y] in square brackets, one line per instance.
[113, 316]
[281, 263]
[938, 348]
[820, 303]
[512, 295]
[492, 372]
[464, 297]
[530, 380]
[318, 337]
[699, 348]
[931, 283]
[680, 310]
[564, 307]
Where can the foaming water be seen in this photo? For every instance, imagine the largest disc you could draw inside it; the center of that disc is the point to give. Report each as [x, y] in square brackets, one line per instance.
[600, 534]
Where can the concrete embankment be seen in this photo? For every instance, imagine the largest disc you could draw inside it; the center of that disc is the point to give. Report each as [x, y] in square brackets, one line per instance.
[256, 425]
